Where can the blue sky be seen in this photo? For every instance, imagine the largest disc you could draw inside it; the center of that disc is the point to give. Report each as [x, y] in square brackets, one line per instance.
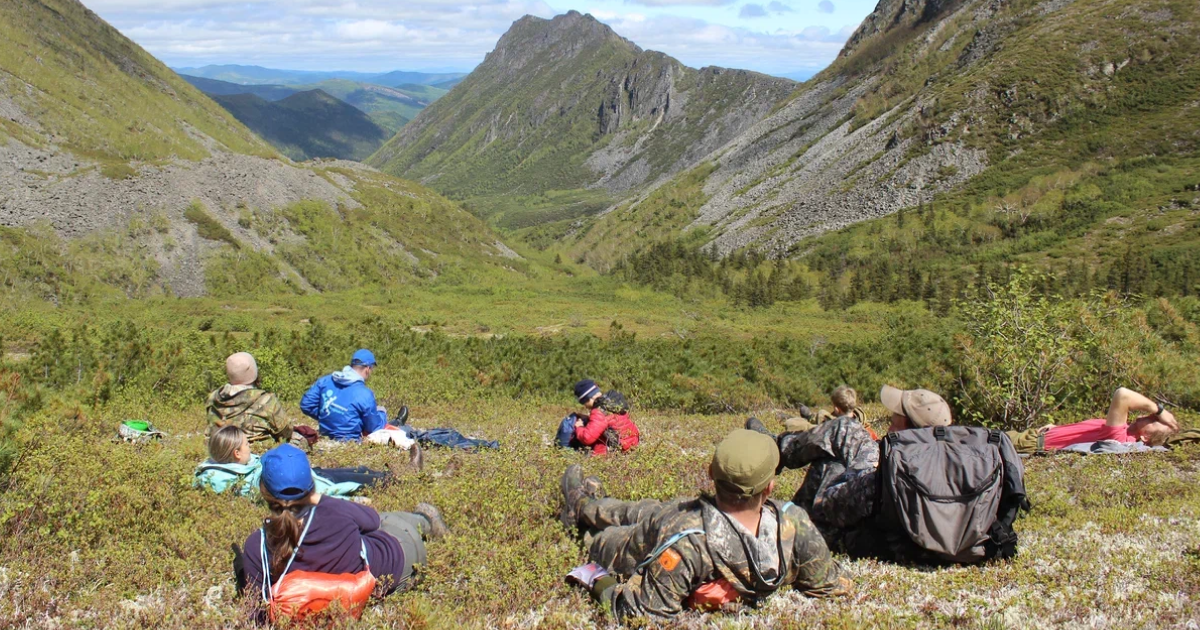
[773, 36]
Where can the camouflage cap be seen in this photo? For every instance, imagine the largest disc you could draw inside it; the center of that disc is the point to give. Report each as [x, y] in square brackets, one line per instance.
[745, 462]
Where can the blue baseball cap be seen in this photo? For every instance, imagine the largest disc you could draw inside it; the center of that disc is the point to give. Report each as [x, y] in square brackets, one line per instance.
[362, 357]
[286, 473]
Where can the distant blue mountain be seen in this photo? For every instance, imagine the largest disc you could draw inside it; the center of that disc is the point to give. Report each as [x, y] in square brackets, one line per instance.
[259, 76]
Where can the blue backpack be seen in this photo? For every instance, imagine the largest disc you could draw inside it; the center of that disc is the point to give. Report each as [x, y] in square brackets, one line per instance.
[566, 432]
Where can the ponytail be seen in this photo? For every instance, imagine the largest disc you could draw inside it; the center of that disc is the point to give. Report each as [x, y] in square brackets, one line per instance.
[282, 528]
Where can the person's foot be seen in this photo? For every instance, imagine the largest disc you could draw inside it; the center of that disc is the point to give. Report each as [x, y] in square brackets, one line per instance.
[437, 525]
[806, 413]
[401, 418]
[754, 424]
[576, 488]
[416, 456]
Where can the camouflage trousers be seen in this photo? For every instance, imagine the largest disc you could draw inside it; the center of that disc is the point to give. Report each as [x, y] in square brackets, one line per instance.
[611, 530]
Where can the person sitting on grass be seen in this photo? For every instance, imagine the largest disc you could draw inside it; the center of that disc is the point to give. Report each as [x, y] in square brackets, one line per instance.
[345, 408]
[1153, 429]
[841, 489]
[308, 531]
[232, 464]
[608, 426]
[723, 551]
[240, 403]
[845, 403]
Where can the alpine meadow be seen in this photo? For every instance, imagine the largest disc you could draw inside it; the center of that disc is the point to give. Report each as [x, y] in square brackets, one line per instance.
[994, 200]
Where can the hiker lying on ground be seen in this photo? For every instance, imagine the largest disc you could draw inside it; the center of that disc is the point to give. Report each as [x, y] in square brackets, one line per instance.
[241, 403]
[841, 487]
[345, 408]
[309, 532]
[845, 403]
[1152, 429]
[231, 464]
[715, 552]
[608, 426]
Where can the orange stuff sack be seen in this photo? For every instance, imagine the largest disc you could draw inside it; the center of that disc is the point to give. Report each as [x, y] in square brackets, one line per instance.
[713, 595]
[303, 593]
[300, 594]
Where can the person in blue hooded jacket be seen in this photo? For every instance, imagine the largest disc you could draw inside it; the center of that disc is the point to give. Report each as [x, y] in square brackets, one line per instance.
[343, 405]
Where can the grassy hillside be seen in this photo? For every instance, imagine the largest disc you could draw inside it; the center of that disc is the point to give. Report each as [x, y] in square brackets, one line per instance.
[390, 107]
[93, 92]
[308, 124]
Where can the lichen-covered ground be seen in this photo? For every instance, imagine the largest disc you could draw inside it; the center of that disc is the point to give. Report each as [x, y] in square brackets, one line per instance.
[95, 533]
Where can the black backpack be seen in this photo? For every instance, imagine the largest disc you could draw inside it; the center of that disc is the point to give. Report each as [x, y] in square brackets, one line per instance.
[950, 494]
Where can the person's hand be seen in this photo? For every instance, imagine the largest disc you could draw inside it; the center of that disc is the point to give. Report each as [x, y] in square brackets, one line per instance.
[578, 423]
[1168, 418]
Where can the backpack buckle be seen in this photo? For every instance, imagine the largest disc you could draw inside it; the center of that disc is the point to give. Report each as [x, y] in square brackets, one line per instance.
[994, 436]
[939, 433]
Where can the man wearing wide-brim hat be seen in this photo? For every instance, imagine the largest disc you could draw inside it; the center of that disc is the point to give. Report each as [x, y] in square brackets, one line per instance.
[720, 551]
[840, 490]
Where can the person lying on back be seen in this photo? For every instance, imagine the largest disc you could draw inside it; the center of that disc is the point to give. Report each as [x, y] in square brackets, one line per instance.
[231, 464]
[241, 403]
[845, 403]
[1152, 429]
[608, 425]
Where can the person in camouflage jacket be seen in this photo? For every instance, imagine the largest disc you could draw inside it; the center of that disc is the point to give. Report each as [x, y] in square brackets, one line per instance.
[841, 490]
[240, 403]
[725, 551]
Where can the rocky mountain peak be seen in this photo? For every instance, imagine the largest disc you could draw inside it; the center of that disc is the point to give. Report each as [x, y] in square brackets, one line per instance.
[563, 36]
[890, 14]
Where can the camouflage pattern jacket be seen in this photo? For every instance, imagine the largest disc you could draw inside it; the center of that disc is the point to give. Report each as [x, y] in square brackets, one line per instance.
[257, 412]
[665, 570]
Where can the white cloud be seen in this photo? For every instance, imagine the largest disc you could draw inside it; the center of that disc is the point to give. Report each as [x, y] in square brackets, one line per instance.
[380, 35]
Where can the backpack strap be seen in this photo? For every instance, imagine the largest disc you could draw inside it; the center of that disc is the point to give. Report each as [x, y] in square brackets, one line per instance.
[940, 434]
[661, 549]
[266, 566]
[993, 436]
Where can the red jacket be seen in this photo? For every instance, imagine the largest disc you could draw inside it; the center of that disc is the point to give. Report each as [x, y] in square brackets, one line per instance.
[592, 433]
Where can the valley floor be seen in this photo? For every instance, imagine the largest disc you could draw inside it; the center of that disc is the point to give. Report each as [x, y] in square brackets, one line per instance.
[98, 533]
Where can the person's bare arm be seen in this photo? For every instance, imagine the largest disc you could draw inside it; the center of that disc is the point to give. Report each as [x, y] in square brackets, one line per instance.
[1125, 401]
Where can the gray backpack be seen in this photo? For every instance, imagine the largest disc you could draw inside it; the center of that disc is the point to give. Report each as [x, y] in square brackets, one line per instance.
[950, 494]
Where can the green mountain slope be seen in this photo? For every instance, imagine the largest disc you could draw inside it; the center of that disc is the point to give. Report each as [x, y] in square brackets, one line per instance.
[1058, 134]
[80, 85]
[390, 107]
[119, 179]
[225, 88]
[308, 125]
[566, 104]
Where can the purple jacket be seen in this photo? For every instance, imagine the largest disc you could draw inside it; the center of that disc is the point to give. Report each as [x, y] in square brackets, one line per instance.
[333, 544]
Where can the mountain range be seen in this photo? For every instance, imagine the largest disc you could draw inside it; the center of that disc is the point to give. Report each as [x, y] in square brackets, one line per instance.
[260, 75]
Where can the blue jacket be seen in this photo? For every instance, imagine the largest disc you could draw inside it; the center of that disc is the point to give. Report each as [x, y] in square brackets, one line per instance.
[343, 406]
[244, 479]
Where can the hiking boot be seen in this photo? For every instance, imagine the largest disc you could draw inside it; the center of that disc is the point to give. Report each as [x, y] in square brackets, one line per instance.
[575, 489]
[416, 456]
[401, 418]
[806, 413]
[437, 525]
[754, 424]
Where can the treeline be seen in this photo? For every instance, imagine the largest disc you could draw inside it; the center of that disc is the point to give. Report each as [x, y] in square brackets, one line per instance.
[932, 254]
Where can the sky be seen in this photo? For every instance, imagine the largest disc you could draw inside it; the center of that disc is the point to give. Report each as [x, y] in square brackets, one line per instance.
[771, 36]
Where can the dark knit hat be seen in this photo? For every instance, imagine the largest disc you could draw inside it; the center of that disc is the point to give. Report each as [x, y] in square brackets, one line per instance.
[585, 389]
